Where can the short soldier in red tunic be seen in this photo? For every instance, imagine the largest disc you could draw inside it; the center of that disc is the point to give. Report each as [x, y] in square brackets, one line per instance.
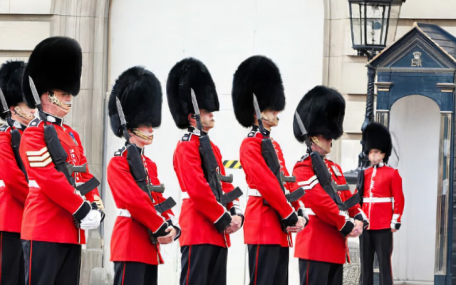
[268, 213]
[380, 187]
[321, 246]
[143, 222]
[205, 219]
[13, 184]
[63, 197]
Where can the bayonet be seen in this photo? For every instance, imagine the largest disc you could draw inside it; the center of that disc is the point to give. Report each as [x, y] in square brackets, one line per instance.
[300, 124]
[259, 116]
[123, 121]
[4, 104]
[36, 97]
[195, 103]
[257, 109]
[199, 126]
[35, 94]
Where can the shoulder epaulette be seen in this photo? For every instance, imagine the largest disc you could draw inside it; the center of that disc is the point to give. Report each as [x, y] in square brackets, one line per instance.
[304, 157]
[4, 128]
[34, 123]
[187, 137]
[119, 152]
[252, 133]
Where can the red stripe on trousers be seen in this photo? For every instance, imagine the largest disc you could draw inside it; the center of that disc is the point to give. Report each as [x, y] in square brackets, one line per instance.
[1, 254]
[30, 263]
[307, 273]
[188, 267]
[256, 263]
[123, 273]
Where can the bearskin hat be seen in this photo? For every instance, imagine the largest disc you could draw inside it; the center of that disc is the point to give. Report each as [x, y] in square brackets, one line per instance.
[377, 136]
[322, 111]
[188, 74]
[140, 94]
[11, 83]
[55, 63]
[260, 76]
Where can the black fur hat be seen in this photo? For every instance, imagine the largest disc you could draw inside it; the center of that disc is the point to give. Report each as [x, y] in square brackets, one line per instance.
[322, 111]
[187, 74]
[260, 76]
[10, 82]
[55, 63]
[377, 136]
[140, 94]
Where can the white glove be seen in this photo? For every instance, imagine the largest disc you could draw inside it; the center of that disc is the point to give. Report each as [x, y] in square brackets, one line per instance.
[91, 221]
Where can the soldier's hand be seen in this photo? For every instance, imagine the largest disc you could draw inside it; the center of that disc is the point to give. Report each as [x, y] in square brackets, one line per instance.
[169, 237]
[91, 221]
[99, 202]
[393, 230]
[298, 227]
[236, 222]
[358, 229]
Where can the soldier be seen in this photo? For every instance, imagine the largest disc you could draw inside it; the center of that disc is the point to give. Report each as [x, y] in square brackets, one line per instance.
[321, 246]
[268, 213]
[133, 180]
[206, 217]
[383, 203]
[56, 213]
[14, 185]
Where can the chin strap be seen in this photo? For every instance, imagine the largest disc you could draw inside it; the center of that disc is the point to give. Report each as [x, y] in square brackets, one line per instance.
[55, 101]
[18, 111]
[142, 135]
[316, 141]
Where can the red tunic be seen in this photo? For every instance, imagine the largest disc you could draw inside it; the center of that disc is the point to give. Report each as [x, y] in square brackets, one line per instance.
[382, 182]
[201, 210]
[321, 240]
[13, 186]
[130, 239]
[50, 205]
[262, 224]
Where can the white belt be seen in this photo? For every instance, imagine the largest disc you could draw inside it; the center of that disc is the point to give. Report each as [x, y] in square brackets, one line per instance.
[377, 200]
[124, 213]
[32, 183]
[256, 193]
[309, 212]
[184, 195]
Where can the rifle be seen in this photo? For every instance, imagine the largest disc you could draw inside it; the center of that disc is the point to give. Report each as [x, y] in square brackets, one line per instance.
[270, 157]
[324, 176]
[209, 164]
[15, 135]
[139, 173]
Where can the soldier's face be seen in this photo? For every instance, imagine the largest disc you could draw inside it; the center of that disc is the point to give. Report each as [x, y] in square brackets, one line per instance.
[376, 156]
[207, 120]
[57, 103]
[22, 113]
[142, 135]
[270, 118]
[321, 144]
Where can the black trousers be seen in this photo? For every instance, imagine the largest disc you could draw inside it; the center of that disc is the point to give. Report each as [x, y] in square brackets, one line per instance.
[12, 259]
[135, 273]
[268, 264]
[49, 263]
[203, 264]
[320, 273]
[380, 242]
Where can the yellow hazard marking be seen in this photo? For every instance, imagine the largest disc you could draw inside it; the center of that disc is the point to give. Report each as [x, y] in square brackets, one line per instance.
[233, 164]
